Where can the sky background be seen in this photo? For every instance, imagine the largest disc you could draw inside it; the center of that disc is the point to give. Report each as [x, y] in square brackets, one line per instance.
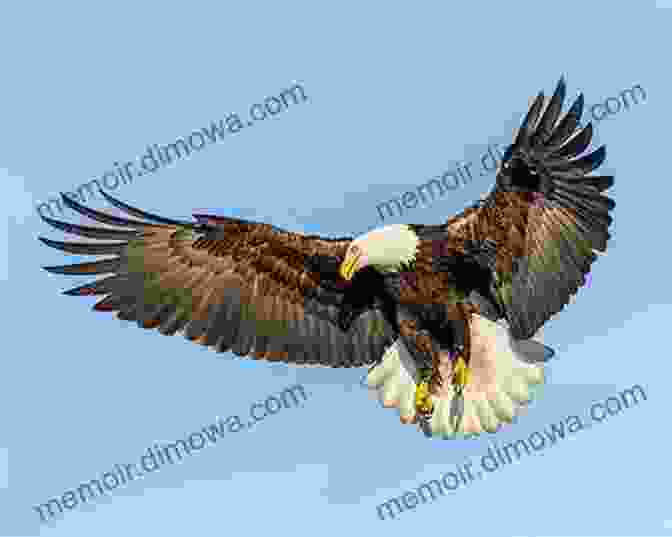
[395, 96]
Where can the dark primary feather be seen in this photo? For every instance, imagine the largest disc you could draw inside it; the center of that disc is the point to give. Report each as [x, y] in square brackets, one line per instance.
[85, 248]
[566, 126]
[545, 128]
[230, 284]
[92, 232]
[139, 213]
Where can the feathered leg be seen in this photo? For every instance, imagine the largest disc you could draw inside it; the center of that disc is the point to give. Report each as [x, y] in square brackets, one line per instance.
[420, 345]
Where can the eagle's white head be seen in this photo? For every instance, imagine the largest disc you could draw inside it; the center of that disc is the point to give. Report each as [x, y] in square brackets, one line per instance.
[387, 249]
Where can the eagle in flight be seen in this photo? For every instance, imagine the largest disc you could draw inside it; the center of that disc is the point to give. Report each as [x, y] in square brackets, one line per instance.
[443, 315]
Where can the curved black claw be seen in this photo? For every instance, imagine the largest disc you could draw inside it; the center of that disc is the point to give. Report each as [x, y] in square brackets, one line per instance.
[457, 409]
[425, 424]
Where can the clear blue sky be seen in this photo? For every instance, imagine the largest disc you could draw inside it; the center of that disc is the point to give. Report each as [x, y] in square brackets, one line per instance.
[396, 94]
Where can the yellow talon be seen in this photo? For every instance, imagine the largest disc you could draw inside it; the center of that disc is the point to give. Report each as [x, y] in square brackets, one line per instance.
[423, 400]
[460, 373]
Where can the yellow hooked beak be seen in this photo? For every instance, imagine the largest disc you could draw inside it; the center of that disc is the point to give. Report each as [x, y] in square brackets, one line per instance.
[349, 266]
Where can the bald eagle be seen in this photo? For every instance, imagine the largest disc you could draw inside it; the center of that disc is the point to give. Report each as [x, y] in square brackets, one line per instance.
[444, 316]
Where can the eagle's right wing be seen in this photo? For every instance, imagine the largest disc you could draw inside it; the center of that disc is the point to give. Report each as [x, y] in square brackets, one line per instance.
[226, 283]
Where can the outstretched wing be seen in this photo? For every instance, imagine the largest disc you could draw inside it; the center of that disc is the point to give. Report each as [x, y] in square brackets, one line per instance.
[545, 217]
[226, 283]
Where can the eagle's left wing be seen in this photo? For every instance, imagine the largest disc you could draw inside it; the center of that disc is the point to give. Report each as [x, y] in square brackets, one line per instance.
[543, 220]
